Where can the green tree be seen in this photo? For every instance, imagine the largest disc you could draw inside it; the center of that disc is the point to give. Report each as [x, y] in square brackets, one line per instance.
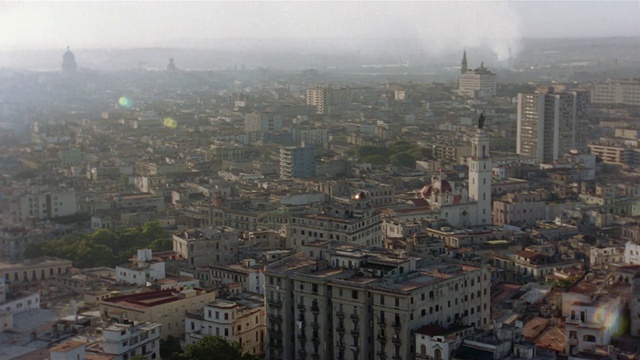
[376, 159]
[170, 349]
[214, 348]
[403, 159]
[153, 231]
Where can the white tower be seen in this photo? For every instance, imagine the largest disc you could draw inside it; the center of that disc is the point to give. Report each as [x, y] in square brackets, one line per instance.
[480, 175]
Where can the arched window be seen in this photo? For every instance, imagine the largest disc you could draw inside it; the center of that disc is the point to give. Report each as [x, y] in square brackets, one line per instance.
[437, 354]
[423, 349]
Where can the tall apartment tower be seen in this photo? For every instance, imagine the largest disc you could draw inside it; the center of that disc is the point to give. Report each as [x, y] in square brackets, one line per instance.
[551, 123]
[324, 97]
[480, 174]
[297, 161]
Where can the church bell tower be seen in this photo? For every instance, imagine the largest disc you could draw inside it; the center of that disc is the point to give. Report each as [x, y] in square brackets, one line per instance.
[480, 174]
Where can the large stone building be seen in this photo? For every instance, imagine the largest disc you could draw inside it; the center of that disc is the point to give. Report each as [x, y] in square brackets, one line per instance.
[165, 307]
[207, 246]
[552, 123]
[355, 302]
[620, 92]
[476, 83]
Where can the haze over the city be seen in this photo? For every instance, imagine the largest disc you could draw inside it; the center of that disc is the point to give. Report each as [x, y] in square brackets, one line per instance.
[434, 26]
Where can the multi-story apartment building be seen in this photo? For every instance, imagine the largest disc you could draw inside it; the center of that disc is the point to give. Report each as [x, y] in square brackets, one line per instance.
[242, 321]
[207, 246]
[325, 97]
[622, 92]
[128, 339]
[552, 123]
[476, 83]
[297, 162]
[340, 301]
[262, 122]
[165, 307]
[354, 223]
[33, 203]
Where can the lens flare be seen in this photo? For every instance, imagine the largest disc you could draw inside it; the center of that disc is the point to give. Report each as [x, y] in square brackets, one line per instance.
[125, 102]
[169, 123]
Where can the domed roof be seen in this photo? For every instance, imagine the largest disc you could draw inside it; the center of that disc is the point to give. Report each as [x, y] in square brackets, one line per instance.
[68, 61]
[441, 186]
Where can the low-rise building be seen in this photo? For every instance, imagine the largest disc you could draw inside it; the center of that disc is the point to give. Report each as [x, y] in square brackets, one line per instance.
[165, 307]
[239, 320]
[128, 339]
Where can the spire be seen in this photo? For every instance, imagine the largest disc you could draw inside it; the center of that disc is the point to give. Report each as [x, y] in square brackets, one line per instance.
[465, 66]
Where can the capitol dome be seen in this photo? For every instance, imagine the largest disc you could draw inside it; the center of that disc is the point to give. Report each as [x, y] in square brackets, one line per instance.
[68, 61]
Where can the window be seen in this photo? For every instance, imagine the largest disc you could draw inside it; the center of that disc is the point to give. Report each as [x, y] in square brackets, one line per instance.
[381, 299]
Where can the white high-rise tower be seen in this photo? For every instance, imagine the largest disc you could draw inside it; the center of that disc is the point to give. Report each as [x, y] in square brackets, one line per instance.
[480, 174]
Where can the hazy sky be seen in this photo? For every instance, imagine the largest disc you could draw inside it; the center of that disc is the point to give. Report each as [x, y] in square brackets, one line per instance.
[497, 24]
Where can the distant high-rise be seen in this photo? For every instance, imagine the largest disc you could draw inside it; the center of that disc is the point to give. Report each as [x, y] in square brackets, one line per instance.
[171, 66]
[324, 97]
[476, 83]
[68, 61]
[551, 123]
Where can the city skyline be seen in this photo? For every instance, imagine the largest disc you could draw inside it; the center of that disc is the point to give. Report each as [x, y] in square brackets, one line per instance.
[498, 25]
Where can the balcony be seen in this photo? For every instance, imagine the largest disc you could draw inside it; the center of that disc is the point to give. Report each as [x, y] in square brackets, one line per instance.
[274, 302]
[382, 338]
[340, 315]
[341, 346]
[276, 332]
[355, 317]
[315, 326]
[354, 348]
[382, 323]
[397, 325]
[340, 329]
[315, 309]
[382, 355]
[572, 341]
[355, 332]
[302, 352]
[301, 307]
[275, 317]
[277, 346]
[302, 337]
[396, 340]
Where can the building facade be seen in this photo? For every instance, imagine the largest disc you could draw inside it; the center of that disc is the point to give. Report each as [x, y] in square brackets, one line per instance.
[354, 302]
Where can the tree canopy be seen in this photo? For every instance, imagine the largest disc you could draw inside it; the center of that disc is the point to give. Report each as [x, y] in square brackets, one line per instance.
[215, 348]
[104, 247]
[400, 153]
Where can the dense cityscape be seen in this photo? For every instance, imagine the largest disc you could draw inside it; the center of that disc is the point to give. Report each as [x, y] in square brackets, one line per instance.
[382, 208]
